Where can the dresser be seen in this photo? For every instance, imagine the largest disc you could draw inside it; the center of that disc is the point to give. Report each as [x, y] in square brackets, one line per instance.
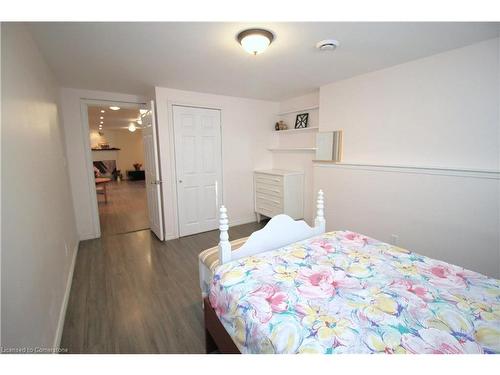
[279, 191]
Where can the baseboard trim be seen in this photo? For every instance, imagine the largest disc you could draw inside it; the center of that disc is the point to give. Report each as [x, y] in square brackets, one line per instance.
[62, 313]
[170, 236]
[89, 236]
[243, 220]
[232, 223]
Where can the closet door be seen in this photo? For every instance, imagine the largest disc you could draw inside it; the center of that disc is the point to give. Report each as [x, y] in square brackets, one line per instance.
[198, 162]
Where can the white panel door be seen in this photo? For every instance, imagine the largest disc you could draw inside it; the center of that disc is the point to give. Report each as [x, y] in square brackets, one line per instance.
[198, 162]
[152, 171]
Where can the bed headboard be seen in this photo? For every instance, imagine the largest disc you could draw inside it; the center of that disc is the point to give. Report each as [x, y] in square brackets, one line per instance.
[280, 231]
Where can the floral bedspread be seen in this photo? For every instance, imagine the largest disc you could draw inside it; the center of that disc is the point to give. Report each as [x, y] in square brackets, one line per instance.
[343, 292]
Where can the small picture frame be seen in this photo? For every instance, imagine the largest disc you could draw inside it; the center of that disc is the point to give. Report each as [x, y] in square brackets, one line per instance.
[301, 120]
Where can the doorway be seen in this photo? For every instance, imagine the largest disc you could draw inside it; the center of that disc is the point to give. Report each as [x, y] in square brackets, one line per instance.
[198, 163]
[122, 142]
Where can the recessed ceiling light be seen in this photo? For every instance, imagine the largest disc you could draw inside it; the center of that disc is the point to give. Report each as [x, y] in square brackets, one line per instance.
[102, 111]
[114, 108]
[255, 41]
[327, 45]
[102, 118]
[102, 122]
[132, 127]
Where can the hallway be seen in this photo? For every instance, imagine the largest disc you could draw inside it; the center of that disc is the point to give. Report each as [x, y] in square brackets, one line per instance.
[134, 294]
[126, 209]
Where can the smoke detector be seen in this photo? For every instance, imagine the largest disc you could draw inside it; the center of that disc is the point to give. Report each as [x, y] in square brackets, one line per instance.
[327, 45]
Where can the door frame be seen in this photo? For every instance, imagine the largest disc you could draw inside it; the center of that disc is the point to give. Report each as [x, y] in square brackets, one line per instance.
[174, 183]
[84, 104]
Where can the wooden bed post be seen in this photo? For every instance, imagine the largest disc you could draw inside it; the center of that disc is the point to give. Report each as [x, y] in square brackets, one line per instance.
[319, 221]
[224, 245]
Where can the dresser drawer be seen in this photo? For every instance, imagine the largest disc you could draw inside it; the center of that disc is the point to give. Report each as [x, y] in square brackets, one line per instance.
[269, 179]
[278, 191]
[268, 200]
[262, 188]
[267, 210]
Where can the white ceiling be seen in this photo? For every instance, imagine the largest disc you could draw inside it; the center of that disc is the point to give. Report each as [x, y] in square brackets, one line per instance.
[134, 57]
[114, 120]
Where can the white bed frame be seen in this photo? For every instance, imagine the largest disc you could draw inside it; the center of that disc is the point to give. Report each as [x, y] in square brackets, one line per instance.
[280, 231]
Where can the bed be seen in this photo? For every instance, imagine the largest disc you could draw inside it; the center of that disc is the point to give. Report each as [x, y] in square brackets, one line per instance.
[290, 288]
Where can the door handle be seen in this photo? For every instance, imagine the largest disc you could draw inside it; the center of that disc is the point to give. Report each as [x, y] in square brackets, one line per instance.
[180, 181]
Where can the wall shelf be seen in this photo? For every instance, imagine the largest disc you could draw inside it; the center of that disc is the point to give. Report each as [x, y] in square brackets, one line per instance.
[298, 111]
[288, 131]
[293, 149]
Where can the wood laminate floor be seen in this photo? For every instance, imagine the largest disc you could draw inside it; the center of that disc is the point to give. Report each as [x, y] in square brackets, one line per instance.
[132, 293]
[126, 209]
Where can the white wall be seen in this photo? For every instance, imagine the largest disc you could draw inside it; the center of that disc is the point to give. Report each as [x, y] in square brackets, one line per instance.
[39, 240]
[442, 111]
[246, 128]
[498, 150]
[130, 145]
[452, 218]
[78, 149]
[299, 102]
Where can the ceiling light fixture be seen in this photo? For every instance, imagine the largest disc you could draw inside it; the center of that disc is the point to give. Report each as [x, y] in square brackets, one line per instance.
[139, 122]
[102, 122]
[132, 127]
[142, 111]
[255, 41]
[102, 111]
[102, 118]
[327, 45]
[114, 108]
